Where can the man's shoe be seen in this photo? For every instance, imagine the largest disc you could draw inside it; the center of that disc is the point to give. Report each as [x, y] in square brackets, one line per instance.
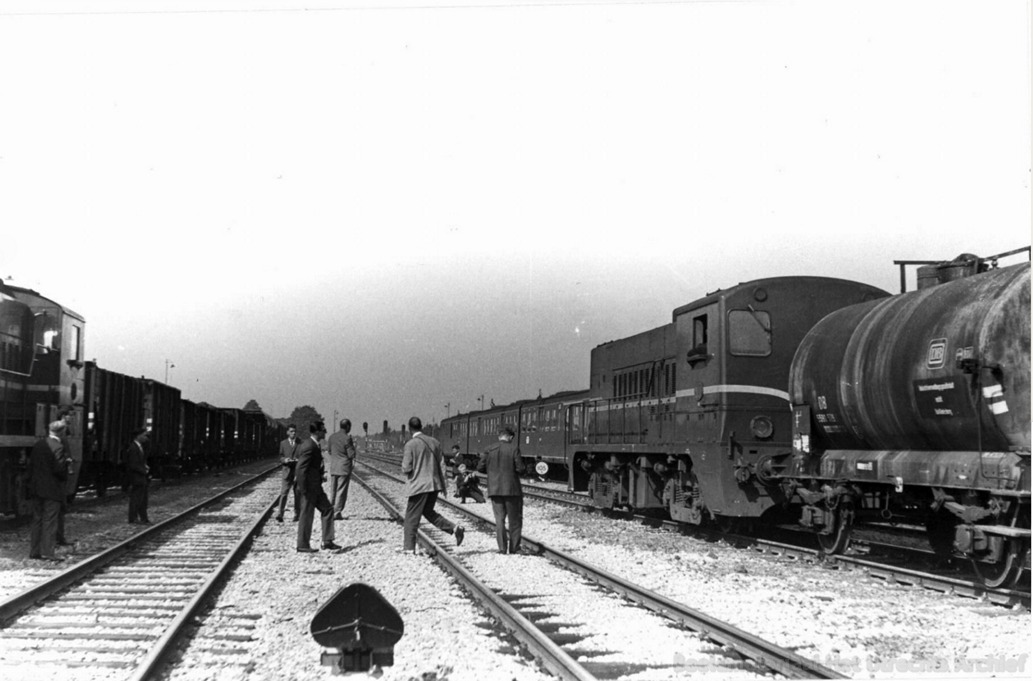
[64, 543]
[307, 549]
[279, 518]
[460, 533]
[330, 546]
[338, 516]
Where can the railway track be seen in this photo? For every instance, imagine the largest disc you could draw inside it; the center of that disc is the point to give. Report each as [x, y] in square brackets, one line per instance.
[892, 563]
[879, 560]
[565, 640]
[119, 613]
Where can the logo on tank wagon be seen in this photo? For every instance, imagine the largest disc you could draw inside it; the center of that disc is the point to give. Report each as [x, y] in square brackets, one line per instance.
[937, 353]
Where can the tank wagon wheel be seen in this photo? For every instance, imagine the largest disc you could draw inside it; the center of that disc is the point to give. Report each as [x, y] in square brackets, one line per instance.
[1005, 573]
[838, 539]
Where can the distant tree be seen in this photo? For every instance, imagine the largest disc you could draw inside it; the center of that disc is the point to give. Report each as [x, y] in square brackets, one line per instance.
[365, 428]
[302, 417]
[252, 405]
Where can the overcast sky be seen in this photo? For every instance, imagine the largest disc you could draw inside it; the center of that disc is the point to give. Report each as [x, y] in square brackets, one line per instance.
[383, 210]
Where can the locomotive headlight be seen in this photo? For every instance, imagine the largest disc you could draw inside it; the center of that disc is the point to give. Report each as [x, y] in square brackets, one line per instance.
[762, 427]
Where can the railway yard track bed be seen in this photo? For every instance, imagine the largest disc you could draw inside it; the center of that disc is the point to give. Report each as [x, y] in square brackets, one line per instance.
[256, 624]
[860, 627]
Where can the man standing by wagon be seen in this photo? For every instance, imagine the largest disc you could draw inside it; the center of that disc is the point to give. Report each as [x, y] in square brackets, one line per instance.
[49, 465]
[288, 463]
[503, 465]
[342, 459]
[425, 479]
[138, 477]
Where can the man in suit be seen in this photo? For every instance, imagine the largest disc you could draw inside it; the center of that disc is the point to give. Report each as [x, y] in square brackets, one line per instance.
[288, 462]
[49, 466]
[425, 478]
[342, 459]
[503, 465]
[309, 484]
[66, 415]
[138, 475]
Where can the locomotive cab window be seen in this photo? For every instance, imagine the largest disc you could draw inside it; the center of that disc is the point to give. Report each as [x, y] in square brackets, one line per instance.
[749, 333]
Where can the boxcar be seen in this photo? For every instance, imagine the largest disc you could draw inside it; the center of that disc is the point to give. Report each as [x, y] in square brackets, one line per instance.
[115, 408]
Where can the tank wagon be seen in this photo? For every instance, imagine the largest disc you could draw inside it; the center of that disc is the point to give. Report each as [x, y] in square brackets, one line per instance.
[916, 408]
[43, 377]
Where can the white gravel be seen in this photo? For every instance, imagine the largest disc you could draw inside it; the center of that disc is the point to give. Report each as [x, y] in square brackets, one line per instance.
[859, 626]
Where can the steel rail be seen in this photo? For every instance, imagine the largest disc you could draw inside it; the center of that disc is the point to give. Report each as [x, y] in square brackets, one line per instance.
[770, 655]
[175, 629]
[550, 655]
[17, 604]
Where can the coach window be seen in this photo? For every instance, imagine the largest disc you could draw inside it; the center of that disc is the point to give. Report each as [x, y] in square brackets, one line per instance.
[749, 333]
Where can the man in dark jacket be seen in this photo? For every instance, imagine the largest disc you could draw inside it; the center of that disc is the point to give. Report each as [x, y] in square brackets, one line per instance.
[49, 465]
[342, 458]
[138, 476]
[503, 465]
[310, 492]
[288, 462]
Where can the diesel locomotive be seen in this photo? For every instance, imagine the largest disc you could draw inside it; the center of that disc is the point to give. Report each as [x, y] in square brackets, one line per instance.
[43, 377]
[811, 399]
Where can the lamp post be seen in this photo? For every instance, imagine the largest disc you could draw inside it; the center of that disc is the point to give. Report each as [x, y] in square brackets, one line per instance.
[168, 365]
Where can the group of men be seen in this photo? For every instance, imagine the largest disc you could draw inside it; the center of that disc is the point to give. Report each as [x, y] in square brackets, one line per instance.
[50, 469]
[304, 472]
[425, 479]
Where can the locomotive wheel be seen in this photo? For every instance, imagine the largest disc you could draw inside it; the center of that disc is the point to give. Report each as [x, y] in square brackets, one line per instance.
[838, 540]
[1006, 573]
